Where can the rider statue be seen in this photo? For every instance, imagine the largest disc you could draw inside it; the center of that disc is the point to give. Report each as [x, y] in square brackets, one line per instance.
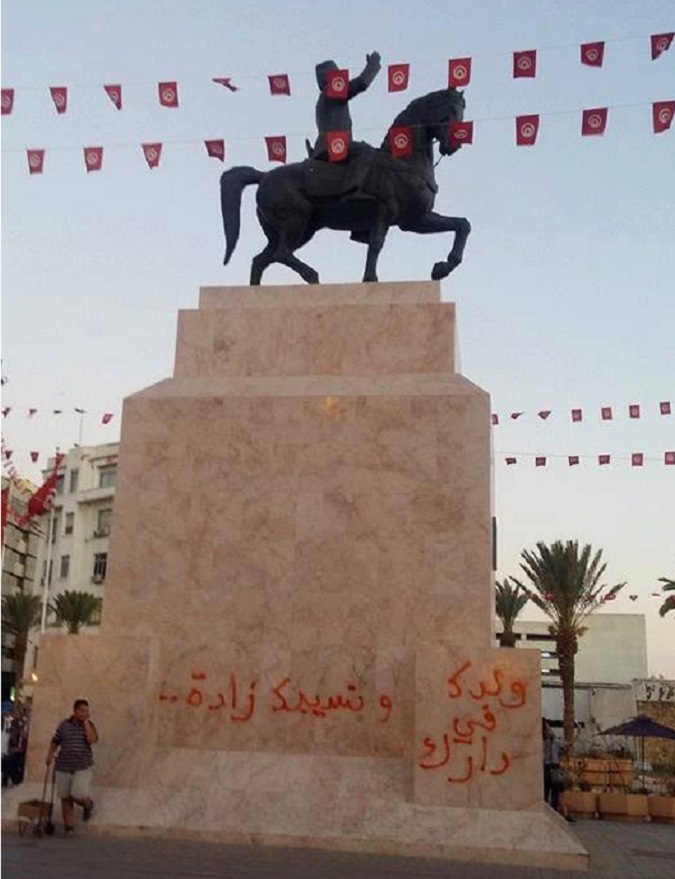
[332, 114]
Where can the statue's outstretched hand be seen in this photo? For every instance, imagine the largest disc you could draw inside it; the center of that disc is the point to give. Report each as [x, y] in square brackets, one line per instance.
[374, 59]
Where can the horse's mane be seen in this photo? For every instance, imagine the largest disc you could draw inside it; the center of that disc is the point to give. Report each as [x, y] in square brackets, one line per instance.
[430, 108]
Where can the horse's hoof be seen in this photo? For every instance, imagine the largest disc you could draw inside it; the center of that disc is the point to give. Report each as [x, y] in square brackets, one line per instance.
[440, 270]
[313, 278]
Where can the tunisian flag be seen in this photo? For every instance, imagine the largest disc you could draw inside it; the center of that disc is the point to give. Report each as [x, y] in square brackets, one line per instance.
[114, 92]
[592, 54]
[662, 115]
[525, 64]
[36, 161]
[7, 101]
[60, 97]
[527, 128]
[152, 153]
[461, 133]
[398, 77]
[594, 122]
[215, 149]
[279, 84]
[168, 94]
[276, 148]
[660, 43]
[400, 140]
[337, 144]
[41, 502]
[459, 72]
[93, 158]
[337, 84]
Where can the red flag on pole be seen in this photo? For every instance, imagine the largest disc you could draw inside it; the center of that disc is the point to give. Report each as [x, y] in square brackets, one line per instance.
[34, 456]
[41, 502]
[606, 413]
[7, 101]
[215, 149]
[525, 64]
[634, 410]
[114, 92]
[461, 133]
[279, 84]
[637, 459]
[276, 148]
[662, 115]
[168, 94]
[592, 54]
[36, 161]
[93, 158]
[459, 72]
[401, 140]
[398, 77]
[60, 97]
[664, 407]
[152, 153]
[227, 82]
[337, 84]
[107, 418]
[527, 128]
[594, 122]
[337, 145]
[660, 43]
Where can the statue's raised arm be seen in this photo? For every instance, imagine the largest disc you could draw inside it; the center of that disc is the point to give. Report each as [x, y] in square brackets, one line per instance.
[361, 82]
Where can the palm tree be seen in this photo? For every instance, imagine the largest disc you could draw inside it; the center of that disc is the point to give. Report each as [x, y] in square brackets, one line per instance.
[20, 613]
[75, 609]
[669, 602]
[509, 601]
[567, 588]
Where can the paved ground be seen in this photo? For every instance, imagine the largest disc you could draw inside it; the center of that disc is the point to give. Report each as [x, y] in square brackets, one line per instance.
[618, 851]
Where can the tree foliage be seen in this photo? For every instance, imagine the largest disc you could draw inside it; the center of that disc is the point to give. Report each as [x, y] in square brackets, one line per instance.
[20, 613]
[509, 601]
[75, 609]
[669, 601]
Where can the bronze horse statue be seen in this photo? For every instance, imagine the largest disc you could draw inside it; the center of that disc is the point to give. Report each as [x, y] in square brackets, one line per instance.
[295, 201]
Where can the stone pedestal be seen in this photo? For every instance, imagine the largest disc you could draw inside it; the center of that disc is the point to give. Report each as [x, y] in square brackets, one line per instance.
[298, 621]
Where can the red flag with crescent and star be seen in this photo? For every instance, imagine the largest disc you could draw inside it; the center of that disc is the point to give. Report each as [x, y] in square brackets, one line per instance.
[401, 141]
[337, 84]
[459, 72]
[398, 77]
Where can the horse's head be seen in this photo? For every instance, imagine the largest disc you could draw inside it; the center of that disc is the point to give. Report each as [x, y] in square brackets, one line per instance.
[452, 110]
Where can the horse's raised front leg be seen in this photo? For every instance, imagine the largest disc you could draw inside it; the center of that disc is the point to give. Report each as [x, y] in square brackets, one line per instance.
[431, 223]
[378, 233]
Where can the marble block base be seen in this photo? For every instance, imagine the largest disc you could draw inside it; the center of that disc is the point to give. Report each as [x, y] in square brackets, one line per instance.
[298, 621]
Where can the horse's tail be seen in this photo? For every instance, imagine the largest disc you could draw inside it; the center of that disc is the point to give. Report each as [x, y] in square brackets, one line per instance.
[232, 184]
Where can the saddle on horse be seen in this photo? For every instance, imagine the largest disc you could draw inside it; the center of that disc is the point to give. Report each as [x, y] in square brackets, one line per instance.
[324, 179]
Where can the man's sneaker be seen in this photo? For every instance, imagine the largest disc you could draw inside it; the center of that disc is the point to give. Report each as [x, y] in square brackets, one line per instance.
[87, 811]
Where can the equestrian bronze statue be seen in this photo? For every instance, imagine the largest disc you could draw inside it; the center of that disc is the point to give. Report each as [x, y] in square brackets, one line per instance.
[295, 201]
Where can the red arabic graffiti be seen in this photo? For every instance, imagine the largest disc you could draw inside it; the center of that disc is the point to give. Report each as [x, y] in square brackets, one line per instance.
[285, 697]
[465, 749]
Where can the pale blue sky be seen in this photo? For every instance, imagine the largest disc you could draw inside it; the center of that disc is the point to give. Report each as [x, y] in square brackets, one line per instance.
[567, 295]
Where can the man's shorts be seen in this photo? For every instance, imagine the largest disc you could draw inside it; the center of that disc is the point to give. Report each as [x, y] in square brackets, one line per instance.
[74, 784]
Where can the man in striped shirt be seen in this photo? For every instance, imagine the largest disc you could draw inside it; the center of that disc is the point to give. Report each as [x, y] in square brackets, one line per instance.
[71, 743]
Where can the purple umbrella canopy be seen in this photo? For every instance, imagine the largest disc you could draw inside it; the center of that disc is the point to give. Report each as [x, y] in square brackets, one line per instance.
[641, 727]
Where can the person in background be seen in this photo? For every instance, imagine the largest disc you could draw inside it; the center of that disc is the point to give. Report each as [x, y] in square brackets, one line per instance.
[71, 744]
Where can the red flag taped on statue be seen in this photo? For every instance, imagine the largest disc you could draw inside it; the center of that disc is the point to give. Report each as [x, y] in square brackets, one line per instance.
[279, 84]
[592, 54]
[7, 101]
[41, 502]
[400, 140]
[459, 72]
[398, 77]
[276, 148]
[215, 149]
[114, 92]
[337, 144]
[527, 128]
[337, 84]
[660, 43]
[662, 115]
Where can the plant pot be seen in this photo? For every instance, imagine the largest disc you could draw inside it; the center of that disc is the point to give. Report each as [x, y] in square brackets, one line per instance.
[661, 809]
[580, 802]
[623, 807]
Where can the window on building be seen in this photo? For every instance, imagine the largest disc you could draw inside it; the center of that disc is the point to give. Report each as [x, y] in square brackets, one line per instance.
[103, 522]
[69, 523]
[59, 483]
[100, 567]
[55, 527]
[107, 476]
[65, 567]
[74, 478]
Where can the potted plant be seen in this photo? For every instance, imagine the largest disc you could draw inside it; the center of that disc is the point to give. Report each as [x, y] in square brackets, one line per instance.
[623, 806]
[662, 806]
[581, 800]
